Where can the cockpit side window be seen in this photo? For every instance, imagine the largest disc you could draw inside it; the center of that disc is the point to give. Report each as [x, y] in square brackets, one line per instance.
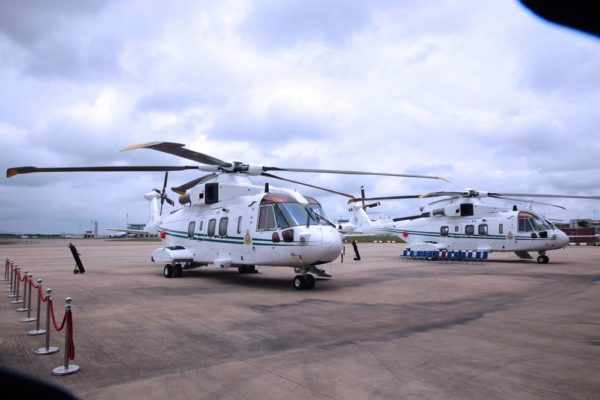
[529, 222]
[266, 218]
[525, 225]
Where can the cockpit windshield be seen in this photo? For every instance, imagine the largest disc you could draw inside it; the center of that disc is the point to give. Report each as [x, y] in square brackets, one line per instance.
[280, 211]
[529, 222]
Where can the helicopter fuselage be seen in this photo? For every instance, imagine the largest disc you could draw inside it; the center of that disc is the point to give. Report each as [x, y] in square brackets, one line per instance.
[226, 229]
[499, 231]
[470, 225]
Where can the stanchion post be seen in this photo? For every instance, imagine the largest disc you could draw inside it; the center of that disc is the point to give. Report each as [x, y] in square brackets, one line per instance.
[30, 285]
[10, 278]
[67, 369]
[17, 286]
[47, 350]
[25, 284]
[37, 331]
[12, 281]
[6, 271]
[10, 275]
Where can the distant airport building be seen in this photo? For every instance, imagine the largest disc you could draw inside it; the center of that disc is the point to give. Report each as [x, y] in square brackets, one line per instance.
[583, 232]
[136, 226]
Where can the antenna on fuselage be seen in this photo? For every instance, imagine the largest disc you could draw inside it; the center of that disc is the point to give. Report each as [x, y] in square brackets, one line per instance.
[266, 187]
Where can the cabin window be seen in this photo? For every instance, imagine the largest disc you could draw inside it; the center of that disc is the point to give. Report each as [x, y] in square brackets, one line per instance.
[456, 229]
[201, 226]
[191, 228]
[469, 230]
[211, 227]
[223, 226]
[239, 225]
[501, 229]
[444, 230]
[266, 218]
[483, 229]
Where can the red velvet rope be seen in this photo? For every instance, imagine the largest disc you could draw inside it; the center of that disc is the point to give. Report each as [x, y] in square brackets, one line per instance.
[67, 318]
[41, 294]
[51, 308]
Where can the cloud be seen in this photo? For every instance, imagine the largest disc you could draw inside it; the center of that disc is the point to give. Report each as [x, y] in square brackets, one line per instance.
[275, 25]
[28, 22]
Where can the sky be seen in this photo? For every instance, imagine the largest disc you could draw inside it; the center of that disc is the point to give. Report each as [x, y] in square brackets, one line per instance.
[484, 93]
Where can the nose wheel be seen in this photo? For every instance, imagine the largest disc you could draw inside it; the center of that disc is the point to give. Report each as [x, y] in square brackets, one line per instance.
[304, 282]
[173, 271]
[543, 259]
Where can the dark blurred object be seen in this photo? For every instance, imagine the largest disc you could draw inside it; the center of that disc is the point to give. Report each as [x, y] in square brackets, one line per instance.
[17, 386]
[76, 255]
[579, 14]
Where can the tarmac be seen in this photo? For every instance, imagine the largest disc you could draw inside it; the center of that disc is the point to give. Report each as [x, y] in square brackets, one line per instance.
[382, 328]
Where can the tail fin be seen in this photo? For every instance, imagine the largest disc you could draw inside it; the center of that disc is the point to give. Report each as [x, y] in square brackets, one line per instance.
[154, 217]
[359, 216]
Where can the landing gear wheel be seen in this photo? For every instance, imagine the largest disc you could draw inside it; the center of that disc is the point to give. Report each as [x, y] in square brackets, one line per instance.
[246, 269]
[299, 282]
[177, 271]
[543, 259]
[75, 271]
[168, 271]
[310, 282]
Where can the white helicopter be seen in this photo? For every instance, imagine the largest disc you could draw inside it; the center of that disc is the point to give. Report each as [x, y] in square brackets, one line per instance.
[227, 221]
[463, 222]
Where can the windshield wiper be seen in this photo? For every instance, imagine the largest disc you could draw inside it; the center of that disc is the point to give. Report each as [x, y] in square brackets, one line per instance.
[317, 217]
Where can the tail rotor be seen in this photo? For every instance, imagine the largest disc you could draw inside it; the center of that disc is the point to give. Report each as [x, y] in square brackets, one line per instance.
[163, 193]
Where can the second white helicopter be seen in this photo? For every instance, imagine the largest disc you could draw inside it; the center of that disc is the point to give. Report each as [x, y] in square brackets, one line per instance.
[464, 222]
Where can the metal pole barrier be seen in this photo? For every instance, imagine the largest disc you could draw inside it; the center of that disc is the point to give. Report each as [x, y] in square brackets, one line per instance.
[37, 330]
[12, 280]
[25, 284]
[29, 318]
[10, 275]
[47, 350]
[67, 369]
[17, 285]
[6, 271]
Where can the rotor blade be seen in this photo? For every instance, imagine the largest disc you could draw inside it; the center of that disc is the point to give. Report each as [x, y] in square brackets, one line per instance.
[186, 186]
[28, 170]
[362, 195]
[334, 171]
[307, 184]
[165, 182]
[177, 149]
[410, 196]
[555, 196]
[438, 194]
[442, 200]
[171, 202]
[525, 201]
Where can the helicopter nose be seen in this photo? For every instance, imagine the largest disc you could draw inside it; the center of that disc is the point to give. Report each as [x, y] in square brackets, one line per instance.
[332, 245]
[563, 238]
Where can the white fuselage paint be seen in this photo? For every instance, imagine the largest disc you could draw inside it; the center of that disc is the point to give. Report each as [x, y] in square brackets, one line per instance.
[499, 232]
[236, 236]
